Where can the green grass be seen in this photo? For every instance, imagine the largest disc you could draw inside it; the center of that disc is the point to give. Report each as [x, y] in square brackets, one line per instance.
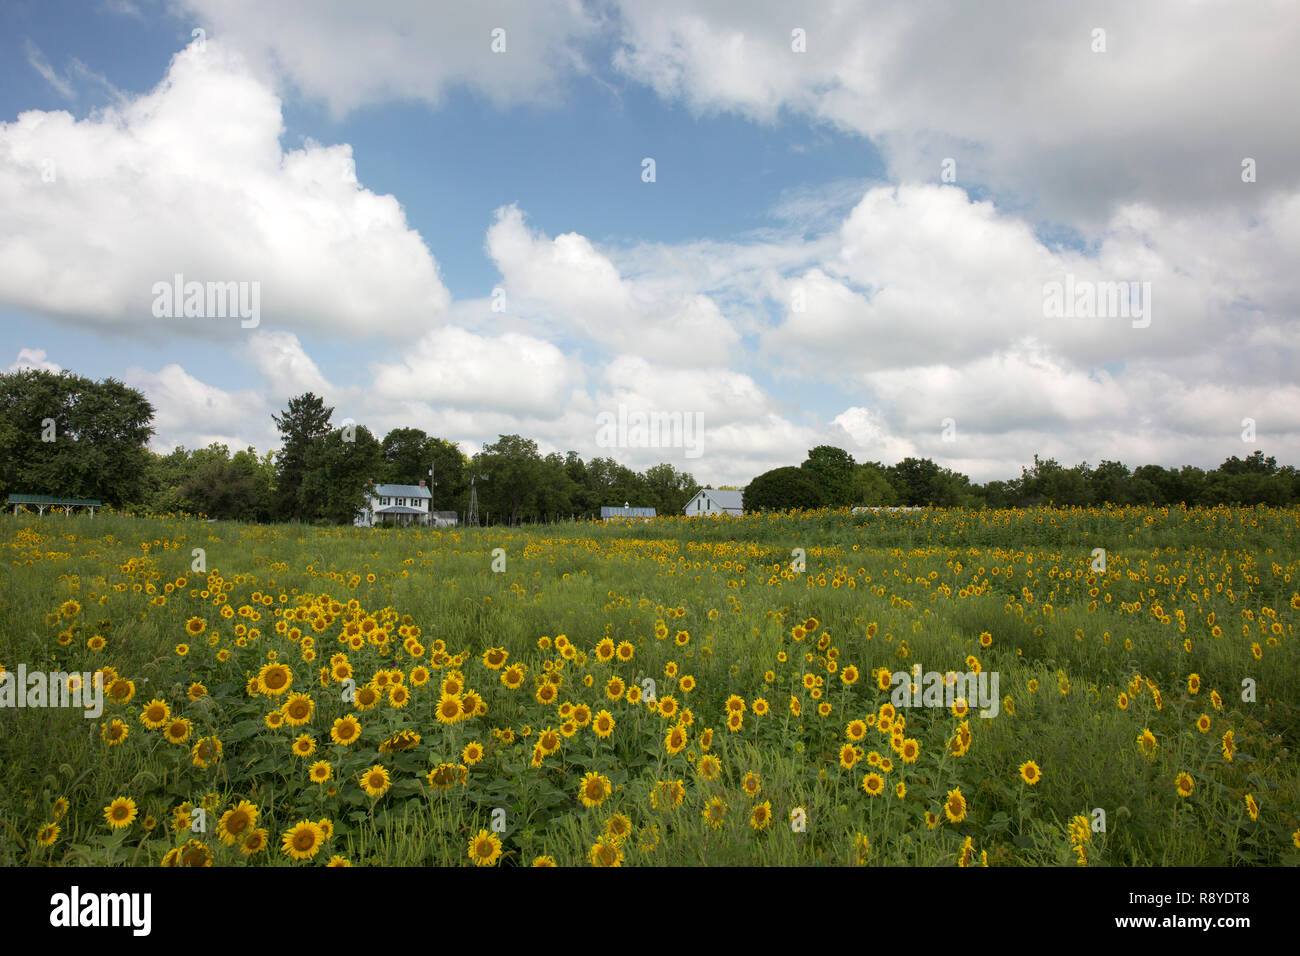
[904, 573]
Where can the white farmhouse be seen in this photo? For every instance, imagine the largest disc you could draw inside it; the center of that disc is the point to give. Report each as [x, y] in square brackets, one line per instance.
[395, 504]
[712, 501]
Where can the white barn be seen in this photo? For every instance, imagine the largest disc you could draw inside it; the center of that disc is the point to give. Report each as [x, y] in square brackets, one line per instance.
[713, 501]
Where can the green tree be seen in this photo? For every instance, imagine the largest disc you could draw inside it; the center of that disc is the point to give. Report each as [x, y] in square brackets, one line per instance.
[870, 486]
[781, 489]
[583, 501]
[451, 475]
[666, 489]
[305, 421]
[611, 483]
[833, 470]
[1255, 464]
[1050, 483]
[71, 436]
[911, 479]
[338, 472]
[408, 455]
[555, 489]
[512, 466]
[221, 487]
[1111, 482]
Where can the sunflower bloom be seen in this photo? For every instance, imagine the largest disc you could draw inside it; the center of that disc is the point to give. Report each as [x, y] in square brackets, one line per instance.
[485, 848]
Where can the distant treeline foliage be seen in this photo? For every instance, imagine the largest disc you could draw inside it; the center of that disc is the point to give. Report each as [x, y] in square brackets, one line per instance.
[62, 434]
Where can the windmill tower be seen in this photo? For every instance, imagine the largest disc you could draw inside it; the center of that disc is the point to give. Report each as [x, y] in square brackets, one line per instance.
[472, 517]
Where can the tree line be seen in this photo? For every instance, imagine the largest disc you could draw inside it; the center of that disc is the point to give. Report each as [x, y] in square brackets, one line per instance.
[67, 435]
[829, 477]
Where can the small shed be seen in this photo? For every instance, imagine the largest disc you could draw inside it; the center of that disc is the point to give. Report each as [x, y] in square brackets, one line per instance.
[613, 513]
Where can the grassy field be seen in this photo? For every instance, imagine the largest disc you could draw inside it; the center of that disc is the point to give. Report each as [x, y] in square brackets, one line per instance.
[299, 696]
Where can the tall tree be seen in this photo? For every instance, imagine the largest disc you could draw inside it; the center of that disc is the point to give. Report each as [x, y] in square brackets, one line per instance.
[912, 478]
[221, 487]
[667, 490]
[781, 489]
[1111, 482]
[339, 466]
[71, 436]
[304, 422]
[832, 469]
[450, 475]
[512, 466]
[870, 485]
[406, 456]
[555, 490]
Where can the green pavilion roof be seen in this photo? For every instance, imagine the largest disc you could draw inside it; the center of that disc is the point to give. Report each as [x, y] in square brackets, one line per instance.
[51, 500]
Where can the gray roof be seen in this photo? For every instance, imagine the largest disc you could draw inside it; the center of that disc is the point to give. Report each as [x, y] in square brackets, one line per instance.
[607, 512]
[725, 499]
[446, 515]
[401, 491]
[399, 510]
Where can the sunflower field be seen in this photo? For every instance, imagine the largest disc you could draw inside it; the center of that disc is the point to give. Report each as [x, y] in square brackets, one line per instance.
[705, 691]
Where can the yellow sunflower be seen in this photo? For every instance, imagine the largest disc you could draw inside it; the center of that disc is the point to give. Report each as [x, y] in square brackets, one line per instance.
[206, 751]
[155, 714]
[303, 840]
[236, 822]
[346, 730]
[375, 781]
[594, 789]
[485, 848]
[121, 812]
[954, 806]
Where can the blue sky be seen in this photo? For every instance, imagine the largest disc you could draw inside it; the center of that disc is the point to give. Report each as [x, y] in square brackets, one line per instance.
[800, 271]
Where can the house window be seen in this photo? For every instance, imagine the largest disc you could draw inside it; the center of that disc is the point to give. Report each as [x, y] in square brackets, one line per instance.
[384, 502]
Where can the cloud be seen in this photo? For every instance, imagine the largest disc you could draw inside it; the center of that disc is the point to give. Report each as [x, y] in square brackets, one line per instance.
[1017, 96]
[991, 416]
[34, 359]
[512, 373]
[192, 413]
[191, 179]
[872, 439]
[924, 275]
[407, 51]
[568, 285]
[286, 367]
